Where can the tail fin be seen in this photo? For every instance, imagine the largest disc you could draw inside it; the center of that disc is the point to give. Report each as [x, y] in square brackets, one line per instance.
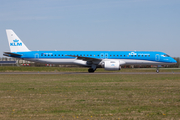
[15, 44]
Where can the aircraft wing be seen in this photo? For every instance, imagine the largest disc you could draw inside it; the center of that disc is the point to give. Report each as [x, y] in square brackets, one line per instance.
[11, 54]
[85, 58]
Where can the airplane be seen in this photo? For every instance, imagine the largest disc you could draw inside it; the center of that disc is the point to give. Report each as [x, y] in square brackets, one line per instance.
[109, 60]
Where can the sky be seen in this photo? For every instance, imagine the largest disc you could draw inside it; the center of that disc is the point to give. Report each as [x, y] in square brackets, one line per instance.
[93, 25]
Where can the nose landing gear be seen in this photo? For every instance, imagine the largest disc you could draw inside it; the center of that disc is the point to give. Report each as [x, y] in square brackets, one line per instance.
[157, 70]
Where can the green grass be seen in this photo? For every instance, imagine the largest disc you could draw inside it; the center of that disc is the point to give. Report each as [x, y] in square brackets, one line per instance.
[90, 97]
[79, 69]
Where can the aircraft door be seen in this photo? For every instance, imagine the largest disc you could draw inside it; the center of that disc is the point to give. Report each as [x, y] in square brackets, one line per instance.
[36, 56]
[157, 57]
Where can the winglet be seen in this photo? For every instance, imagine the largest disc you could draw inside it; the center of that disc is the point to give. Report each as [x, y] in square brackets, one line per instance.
[15, 44]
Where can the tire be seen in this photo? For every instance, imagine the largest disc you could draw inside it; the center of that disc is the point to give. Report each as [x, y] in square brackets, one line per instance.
[90, 70]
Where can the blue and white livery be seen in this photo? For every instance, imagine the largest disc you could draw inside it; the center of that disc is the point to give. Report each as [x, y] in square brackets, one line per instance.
[109, 60]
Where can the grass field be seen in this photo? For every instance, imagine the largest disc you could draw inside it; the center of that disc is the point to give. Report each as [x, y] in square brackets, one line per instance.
[80, 69]
[89, 97]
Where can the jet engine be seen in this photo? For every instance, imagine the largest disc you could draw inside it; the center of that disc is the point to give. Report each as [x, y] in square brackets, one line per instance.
[111, 65]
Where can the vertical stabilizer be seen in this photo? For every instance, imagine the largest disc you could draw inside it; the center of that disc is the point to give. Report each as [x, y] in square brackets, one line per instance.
[15, 44]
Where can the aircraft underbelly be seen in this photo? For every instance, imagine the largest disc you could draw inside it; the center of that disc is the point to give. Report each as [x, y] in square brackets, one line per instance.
[144, 62]
[60, 61]
[84, 63]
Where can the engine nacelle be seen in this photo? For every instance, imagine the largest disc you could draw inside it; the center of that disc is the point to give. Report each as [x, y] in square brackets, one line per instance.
[112, 65]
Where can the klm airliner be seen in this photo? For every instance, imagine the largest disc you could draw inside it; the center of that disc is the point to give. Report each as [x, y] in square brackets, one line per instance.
[109, 60]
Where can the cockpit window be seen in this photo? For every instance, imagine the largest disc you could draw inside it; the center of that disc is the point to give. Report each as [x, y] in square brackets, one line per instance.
[166, 55]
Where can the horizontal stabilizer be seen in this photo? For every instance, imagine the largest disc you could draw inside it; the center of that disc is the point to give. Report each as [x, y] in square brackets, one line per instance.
[11, 54]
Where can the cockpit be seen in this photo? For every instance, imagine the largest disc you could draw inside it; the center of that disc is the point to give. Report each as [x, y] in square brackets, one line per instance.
[166, 55]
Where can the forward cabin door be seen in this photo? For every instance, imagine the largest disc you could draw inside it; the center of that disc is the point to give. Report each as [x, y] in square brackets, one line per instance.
[157, 57]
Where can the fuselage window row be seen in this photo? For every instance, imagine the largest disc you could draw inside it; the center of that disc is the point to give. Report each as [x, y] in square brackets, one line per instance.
[98, 55]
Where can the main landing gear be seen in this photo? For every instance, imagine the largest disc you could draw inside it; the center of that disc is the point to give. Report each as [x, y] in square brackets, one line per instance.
[92, 69]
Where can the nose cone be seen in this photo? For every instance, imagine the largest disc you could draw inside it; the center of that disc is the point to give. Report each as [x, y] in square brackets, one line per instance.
[174, 61]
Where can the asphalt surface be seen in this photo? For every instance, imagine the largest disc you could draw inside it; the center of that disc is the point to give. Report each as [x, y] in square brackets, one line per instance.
[89, 73]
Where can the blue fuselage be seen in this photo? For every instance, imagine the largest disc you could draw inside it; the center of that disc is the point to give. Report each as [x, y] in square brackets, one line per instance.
[69, 57]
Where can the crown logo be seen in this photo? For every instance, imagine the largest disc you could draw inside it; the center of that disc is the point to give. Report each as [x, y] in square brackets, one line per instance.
[15, 40]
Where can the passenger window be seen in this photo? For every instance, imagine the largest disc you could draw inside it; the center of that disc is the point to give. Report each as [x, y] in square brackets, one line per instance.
[145, 55]
[62, 55]
[48, 54]
[55, 54]
[149, 55]
[59, 55]
[131, 55]
[142, 55]
[110, 55]
[113, 55]
[135, 55]
[121, 55]
[98, 55]
[124, 55]
[90, 55]
[117, 55]
[138, 55]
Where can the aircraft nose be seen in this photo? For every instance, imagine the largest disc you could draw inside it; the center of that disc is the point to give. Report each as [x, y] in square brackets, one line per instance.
[174, 61]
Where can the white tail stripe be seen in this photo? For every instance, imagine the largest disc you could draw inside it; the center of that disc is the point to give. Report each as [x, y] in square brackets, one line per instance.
[15, 44]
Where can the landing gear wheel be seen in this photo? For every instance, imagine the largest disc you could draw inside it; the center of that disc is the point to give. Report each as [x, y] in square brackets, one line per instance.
[90, 70]
[157, 71]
